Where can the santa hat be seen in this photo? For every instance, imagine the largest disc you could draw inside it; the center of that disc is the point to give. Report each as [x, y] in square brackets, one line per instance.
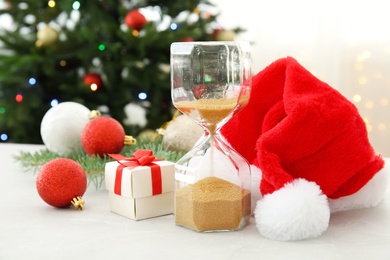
[310, 144]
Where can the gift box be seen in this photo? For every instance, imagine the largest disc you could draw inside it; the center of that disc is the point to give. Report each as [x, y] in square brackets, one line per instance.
[140, 187]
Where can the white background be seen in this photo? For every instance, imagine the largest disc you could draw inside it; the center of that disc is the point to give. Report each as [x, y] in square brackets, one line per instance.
[345, 43]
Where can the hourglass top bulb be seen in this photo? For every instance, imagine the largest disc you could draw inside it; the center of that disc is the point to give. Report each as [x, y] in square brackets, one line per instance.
[211, 81]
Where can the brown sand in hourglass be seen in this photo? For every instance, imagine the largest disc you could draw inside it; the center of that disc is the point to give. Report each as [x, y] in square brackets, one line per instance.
[212, 204]
[211, 110]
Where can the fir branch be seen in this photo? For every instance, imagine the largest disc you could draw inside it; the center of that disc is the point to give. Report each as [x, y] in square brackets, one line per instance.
[156, 146]
[94, 165]
[34, 161]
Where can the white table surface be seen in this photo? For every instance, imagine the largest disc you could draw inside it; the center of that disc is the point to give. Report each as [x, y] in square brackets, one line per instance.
[31, 229]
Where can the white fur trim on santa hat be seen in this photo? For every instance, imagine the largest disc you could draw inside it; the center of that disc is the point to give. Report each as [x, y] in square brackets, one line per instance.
[297, 211]
[370, 195]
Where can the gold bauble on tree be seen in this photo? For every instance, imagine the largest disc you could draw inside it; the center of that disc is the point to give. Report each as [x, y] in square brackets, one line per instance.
[225, 35]
[46, 36]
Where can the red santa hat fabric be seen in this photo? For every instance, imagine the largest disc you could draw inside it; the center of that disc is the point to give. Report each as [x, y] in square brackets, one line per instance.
[296, 126]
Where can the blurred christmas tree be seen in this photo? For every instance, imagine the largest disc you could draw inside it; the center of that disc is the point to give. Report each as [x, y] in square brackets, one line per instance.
[104, 54]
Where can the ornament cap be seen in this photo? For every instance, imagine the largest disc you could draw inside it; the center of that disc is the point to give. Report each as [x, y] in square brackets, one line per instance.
[162, 129]
[129, 140]
[94, 114]
[78, 203]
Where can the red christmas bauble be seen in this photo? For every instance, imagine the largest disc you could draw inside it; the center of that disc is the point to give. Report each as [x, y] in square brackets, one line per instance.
[215, 33]
[135, 20]
[60, 181]
[93, 78]
[187, 39]
[102, 135]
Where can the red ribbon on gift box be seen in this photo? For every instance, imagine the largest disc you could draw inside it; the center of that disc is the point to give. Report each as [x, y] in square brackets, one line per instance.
[140, 158]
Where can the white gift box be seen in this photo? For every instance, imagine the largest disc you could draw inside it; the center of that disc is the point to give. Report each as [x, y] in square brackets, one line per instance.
[131, 189]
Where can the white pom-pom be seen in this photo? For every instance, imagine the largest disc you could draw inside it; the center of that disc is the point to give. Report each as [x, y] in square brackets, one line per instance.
[62, 125]
[297, 211]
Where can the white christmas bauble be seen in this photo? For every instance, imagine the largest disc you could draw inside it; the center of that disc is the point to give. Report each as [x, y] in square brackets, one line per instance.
[181, 134]
[136, 115]
[62, 125]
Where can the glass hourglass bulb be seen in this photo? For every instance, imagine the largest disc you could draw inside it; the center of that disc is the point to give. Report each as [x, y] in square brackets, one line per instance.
[211, 82]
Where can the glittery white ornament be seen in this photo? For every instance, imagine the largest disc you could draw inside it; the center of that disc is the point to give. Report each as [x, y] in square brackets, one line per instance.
[62, 125]
[182, 134]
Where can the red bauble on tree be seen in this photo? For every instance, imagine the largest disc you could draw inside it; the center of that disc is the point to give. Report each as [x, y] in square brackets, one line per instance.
[215, 33]
[135, 20]
[61, 182]
[93, 78]
[187, 39]
[104, 135]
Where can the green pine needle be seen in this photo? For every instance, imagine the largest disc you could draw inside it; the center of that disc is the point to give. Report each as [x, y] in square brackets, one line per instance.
[94, 165]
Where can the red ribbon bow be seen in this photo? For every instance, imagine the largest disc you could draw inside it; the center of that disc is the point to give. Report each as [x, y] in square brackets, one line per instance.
[140, 158]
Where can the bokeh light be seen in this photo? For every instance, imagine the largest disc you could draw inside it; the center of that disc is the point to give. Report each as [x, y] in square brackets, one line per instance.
[142, 96]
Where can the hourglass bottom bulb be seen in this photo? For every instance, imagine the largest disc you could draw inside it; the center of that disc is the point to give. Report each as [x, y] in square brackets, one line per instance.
[212, 204]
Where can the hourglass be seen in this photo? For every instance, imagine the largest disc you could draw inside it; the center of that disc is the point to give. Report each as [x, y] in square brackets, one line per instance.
[211, 82]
